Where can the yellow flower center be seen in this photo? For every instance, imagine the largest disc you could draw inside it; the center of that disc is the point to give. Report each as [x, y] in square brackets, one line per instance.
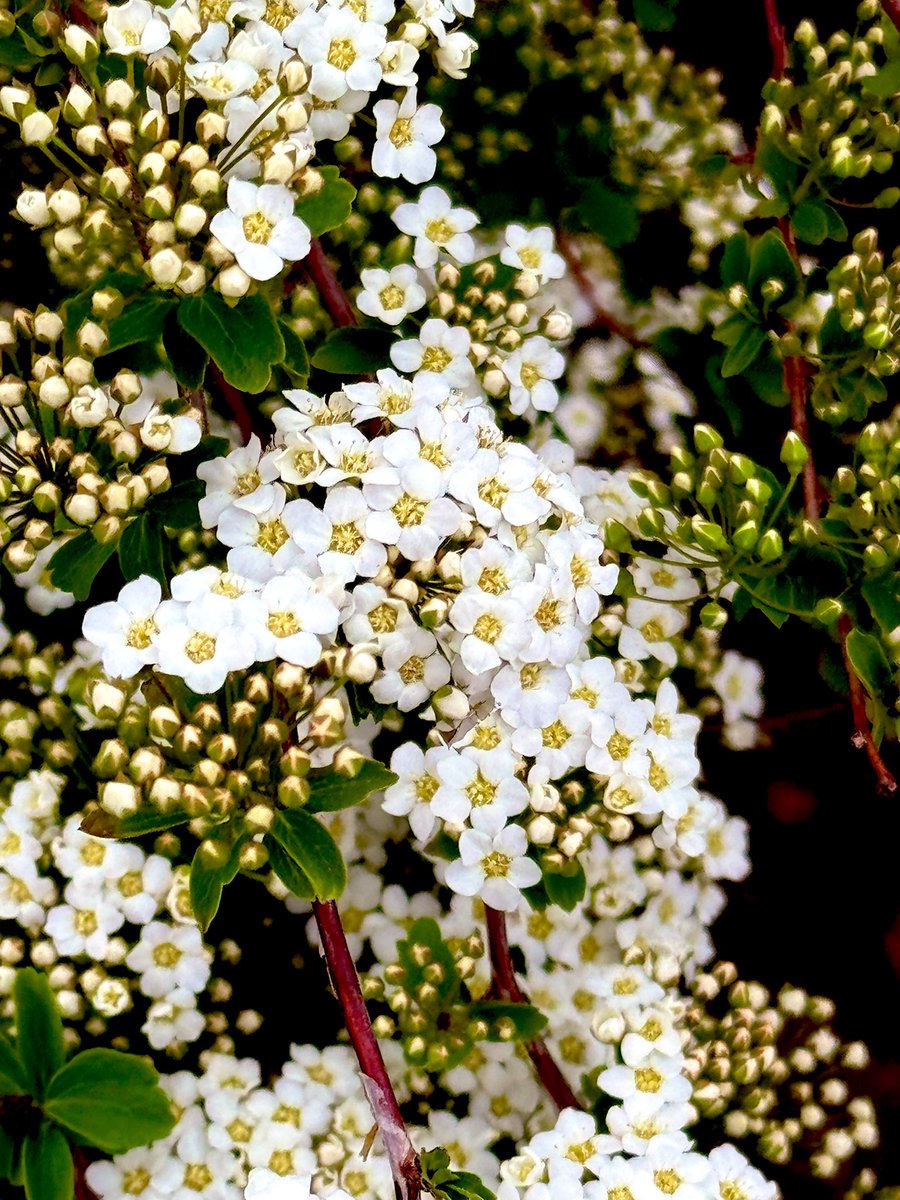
[131, 884]
[135, 1182]
[487, 628]
[481, 791]
[401, 133]
[425, 787]
[618, 746]
[93, 854]
[86, 923]
[140, 633]
[271, 535]
[493, 580]
[198, 1177]
[530, 257]
[166, 954]
[436, 358]
[439, 230]
[548, 615]
[342, 53]
[257, 228]
[409, 511]
[667, 1180]
[530, 376]
[555, 736]
[283, 624]
[391, 296]
[345, 538]
[412, 670]
[647, 1079]
[383, 618]
[492, 492]
[496, 864]
[246, 483]
[200, 647]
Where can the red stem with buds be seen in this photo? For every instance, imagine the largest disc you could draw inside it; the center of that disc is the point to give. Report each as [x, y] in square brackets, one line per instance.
[333, 297]
[505, 986]
[376, 1081]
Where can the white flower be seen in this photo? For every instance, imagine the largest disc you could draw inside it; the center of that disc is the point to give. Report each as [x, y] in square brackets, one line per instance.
[649, 626]
[416, 785]
[125, 630]
[436, 226]
[531, 250]
[135, 28]
[482, 786]
[235, 479]
[342, 51]
[289, 618]
[404, 137]
[200, 643]
[220, 81]
[390, 295]
[454, 54]
[732, 1175]
[529, 370]
[738, 682]
[393, 398]
[173, 1020]
[263, 1184]
[414, 668]
[657, 1081]
[494, 627]
[440, 354]
[412, 514]
[168, 957]
[259, 228]
[493, 865]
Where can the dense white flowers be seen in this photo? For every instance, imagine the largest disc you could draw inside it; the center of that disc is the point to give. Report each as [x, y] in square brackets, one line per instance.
[259, 228]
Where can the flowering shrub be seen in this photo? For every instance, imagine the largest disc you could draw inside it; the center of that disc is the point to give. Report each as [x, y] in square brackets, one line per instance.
[355, 608]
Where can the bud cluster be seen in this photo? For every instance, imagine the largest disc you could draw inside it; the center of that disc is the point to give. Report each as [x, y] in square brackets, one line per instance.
[773, 1070]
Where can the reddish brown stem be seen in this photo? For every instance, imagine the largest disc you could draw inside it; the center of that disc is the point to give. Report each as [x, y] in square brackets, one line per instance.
[777, 40]
[862, 738]
[602, 318]
[81, 1162]
[376, 1081]
[332, 295]
[234, 399]
[505, 986]
[892, 11]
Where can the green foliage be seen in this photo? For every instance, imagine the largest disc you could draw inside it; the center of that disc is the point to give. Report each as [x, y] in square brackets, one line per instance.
[100, 1098]
[209, 876]
[99, 823]
[77, 562]
[313, 851]
[334, 791]
[444, 1183]
[330, 206]
[354, 351]
[244, 339]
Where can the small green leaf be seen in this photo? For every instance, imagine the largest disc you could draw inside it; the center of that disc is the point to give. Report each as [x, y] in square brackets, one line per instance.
[12, 1076]
[884, 83]
[354, 351]
[110, 1100]
[881, 595]
[296, 360]
[331, 792]
[656, 16]
[244, 340]
[745, 351]
[771, 259]
[39, 1029]
[330, 206]
[736, 260]
[208, 881]
[314, 850]
[76, 564]
[810, 222]
[565, 888]
[781, 170]
[99, 823]
[178, 507]
[8, 1156]
[47, 1165]
[141, 320]
[187, 358]
[290, 874]
[141, 548]
[528, 1020]
[870, 663]
[14, 56]
[609, 213]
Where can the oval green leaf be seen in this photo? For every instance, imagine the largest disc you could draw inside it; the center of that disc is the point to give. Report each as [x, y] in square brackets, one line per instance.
[313, 849]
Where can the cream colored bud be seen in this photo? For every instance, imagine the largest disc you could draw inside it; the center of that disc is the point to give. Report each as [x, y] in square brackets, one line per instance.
[194, 157]
[92, 339]
[152, 167]
[159, 201]
[362, 666]
[454, 55]
[119, 798]
[78, 370]
[90, 139]
[162, 233]
[48, 326]
[556, 324]
[495, 383]
[107, 701]
[114, 183]
[37, 128]
[541, 830]
[78, 105]
[165, 267]
[279, 168]
[190, 219]
[33, 208]
[68, 241]
[184, 25]
[293, 116]
[413, 32]
[211, 127]
[152, 126]
[119, 95]
[82, 509]
[232, 282]
[192, 279]
[79, 45]
[89, 407]
[294, 76]
[451, 704]
[120, 132]
[12, 100]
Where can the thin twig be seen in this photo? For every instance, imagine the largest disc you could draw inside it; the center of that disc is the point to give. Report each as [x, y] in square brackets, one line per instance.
[797, 375]
[80, 1163]
[333, 297]
[401, 1153]
[505, 986]
[602, 317]
[234, 399]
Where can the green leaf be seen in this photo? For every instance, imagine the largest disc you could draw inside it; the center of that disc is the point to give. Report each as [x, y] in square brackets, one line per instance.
[866, 653]
[141, 320]
[39, 1029]
[528, 1020]
[14, 56]
[656, 16]
[444, 1182]
[293, 878]
[8, 1156]
[207, 882]
[296, 360]
[771, 259]
[565, 888]
[330, 206]
[783, 171]
[735, 266]
[609, 213]
[178, 507]
[810, 222]
[314, 850]
[187, 358]
[12, 1077]
[76, 564]
[110, 1100]
[881, 595]
[331, 792]
[244, 340]
[99, 823]
[745, 351]
[354, 351]
[47, 1166]
[141, 548]
[781, 596]
[77, 309]
[884, 83]
[834, 340]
